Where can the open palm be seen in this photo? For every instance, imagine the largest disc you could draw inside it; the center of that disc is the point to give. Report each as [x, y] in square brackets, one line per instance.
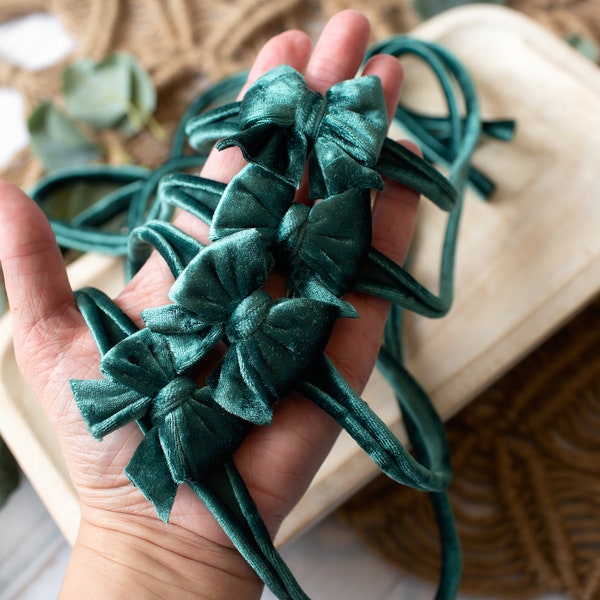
[53, 343]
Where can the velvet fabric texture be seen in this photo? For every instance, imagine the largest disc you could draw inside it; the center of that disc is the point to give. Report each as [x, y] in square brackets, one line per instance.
[271, 345]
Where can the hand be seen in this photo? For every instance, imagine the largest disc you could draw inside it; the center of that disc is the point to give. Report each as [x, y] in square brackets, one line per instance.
[122, 547]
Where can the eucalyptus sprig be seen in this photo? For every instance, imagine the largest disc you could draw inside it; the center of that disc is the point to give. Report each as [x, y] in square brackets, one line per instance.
[116, 93]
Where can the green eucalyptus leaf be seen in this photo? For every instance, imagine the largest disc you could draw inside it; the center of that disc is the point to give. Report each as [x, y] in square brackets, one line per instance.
[142, 99]
[56, 140]
[429, 8]
[97, 93]
[115, 92]
[9, 473]
[584, 45]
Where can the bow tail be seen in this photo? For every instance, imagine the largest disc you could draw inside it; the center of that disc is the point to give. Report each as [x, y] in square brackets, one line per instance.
[105, 405]
[327, 388]
[331, 167]
[149, 471]
[304, 283]
[225, 494]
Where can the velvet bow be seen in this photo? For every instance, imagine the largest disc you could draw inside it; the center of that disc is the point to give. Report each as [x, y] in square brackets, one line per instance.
[282, 122]
[322, 247]
[219, 296]
[186, 432]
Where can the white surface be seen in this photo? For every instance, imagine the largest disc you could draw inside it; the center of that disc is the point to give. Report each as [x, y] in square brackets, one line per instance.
[33, 553]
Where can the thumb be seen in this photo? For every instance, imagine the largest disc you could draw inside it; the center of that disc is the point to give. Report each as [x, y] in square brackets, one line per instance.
[38, 290]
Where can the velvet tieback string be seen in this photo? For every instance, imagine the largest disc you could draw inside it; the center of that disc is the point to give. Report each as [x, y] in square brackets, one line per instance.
[271, 345]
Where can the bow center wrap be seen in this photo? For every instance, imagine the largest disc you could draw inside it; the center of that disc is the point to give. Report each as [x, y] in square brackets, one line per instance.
[291, 233]
[310, 113]
[248, 316]
[177, 392]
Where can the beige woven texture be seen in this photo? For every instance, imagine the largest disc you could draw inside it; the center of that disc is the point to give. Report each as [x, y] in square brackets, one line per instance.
[526, 452]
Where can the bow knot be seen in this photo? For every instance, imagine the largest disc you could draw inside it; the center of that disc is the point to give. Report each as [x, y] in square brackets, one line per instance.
[291, 233]
[248, 316]
[169, 398]
[310, 113]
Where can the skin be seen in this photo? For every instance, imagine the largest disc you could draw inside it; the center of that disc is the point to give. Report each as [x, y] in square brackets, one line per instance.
[122, 547]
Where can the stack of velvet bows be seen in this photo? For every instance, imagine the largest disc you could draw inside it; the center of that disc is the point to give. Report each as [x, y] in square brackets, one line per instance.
[272, 346]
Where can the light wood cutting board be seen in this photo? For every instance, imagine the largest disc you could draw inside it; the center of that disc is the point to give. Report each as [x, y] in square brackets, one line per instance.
[528, 259]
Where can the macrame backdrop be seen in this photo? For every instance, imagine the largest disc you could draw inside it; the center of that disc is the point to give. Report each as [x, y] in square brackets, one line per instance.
[525, 453]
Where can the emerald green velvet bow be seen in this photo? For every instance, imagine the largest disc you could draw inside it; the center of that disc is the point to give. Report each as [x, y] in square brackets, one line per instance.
[282, 122]
[322, 247]
[219, 296]
[187, 433]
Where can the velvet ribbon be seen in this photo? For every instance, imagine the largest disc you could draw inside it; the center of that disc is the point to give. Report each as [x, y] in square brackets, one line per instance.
[165, 412]
[220, 296]
[320, 248]
[188, 432]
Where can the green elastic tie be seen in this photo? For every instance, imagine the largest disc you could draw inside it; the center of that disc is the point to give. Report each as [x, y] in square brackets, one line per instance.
[273, 346]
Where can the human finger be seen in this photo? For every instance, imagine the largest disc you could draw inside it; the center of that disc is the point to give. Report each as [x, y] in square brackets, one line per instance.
[35, 277]
[289, 48]
[390, 72]
[152, 282]
[339, 51]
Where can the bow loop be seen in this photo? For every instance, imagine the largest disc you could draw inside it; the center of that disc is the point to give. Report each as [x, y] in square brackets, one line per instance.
[255, 199]
[283, 122]
[140, 361]
[223, 275]
[265, 365]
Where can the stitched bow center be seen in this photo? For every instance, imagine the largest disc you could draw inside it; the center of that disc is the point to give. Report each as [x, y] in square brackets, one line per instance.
[248, 316]
[310, 113]
[170, 397]
[291, 233]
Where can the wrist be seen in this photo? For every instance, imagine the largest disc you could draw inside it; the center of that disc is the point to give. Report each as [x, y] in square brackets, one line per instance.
[119, 557]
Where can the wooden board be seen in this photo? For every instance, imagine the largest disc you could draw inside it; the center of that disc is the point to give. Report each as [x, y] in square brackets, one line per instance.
[527, 261]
